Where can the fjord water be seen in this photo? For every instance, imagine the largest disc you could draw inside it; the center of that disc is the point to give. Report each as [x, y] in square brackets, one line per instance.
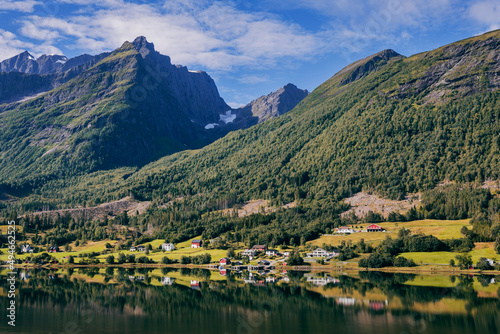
[116, 300]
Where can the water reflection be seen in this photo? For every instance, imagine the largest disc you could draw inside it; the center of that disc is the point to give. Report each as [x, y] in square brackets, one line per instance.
[128, 300]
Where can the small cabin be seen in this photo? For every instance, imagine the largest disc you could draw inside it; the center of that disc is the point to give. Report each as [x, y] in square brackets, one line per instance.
[224, 261]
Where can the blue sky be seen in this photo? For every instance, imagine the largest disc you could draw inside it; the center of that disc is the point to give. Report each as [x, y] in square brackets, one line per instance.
[250, 48]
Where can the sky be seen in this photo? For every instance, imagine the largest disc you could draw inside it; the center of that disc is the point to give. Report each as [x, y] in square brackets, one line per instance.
[250, 48]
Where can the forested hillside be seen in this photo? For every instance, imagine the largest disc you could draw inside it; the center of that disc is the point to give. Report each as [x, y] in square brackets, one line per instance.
[386, 124]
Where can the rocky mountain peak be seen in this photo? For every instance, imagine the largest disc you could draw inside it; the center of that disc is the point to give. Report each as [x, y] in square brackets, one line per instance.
[142, 45]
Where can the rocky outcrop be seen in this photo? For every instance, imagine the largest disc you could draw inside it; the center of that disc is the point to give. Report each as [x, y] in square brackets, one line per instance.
[363, 67]
[269, 106]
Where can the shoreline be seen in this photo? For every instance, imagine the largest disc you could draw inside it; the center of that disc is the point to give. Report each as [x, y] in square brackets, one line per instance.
[285, 268]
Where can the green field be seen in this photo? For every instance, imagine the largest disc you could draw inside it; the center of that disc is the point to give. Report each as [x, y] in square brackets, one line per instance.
[442, 229]
[481, 250]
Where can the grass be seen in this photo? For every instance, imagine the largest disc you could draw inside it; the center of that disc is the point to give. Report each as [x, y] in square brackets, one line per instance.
[442, 229]
[483, 249]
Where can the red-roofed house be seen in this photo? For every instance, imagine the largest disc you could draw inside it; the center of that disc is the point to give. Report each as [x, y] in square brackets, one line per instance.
[196, 243]
[374, 228]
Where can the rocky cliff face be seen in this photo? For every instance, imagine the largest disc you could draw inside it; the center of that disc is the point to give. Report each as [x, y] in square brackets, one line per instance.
[275, 104]
[124, 108]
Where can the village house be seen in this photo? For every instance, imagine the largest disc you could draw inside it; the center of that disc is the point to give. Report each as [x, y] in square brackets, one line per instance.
[195, 285]
[264, 263]
[344, 230]
[374, 228]
[141, 248]
[286, 254]
[26, 249]
[223, 272]
[224, 261]
[320, 252]
[132, 249]
[196, 243]
[249, 252]
[167, 247]
[167, 280]
[260, 248]
[272, 252]
[53, 249]
[321, 281]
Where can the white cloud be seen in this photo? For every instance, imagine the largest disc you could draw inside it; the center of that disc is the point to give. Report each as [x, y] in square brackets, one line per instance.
[486, 13]
[20, 6]
[11, 45]
[213, 35]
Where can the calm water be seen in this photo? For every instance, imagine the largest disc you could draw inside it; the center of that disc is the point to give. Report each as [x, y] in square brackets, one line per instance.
[200, 301]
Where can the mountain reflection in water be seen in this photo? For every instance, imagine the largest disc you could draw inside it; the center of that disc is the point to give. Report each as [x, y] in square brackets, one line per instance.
[118, 300]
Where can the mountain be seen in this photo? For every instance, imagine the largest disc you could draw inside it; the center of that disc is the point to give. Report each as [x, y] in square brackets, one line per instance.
[387, 124]
[124, 108]
[269, 106]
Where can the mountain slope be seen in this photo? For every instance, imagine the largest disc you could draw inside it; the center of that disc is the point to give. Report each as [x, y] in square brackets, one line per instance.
[384, 131]
[125, 108]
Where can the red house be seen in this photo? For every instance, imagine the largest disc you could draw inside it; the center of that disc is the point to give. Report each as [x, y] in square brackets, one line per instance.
[223, 272]
[224, 261]
[196, 243]
[374, 228]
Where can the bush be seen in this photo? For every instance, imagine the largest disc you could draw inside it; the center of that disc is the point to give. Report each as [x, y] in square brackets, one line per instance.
[483, 264]
[166, 260]
[452, 262]
[110, 259]
[464, 261]
[376, 260]
[145, 259]
[403, 262]
[295, 259]
[71, 259]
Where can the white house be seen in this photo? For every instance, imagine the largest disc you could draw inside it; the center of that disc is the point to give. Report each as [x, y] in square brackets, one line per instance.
[344, 230]
[167, 280]
[141, 248]
[26, 249]
[272, 252]
[168, 247]
[132, 249]
[320, 281]
[320, 252]
[249, 252]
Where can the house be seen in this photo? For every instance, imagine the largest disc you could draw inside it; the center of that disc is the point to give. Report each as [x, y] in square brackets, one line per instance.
[320, 252]
[271, 279]
[26, 249]
[132, 249]
[491, 262]
[264, 263]
[215, 240]
[53, 249]
[141, 248]
[196, 243]
[168, 247]
[374, 228]
[259, 248]
[195, 285]
[224, 261]
[223, 272]
[167, 280]
[344, 230]
[249, 252]
[286, 254]
[272, 252]
[321, 281]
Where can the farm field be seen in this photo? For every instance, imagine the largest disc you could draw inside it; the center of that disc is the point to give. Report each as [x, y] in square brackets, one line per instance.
[442, 229]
